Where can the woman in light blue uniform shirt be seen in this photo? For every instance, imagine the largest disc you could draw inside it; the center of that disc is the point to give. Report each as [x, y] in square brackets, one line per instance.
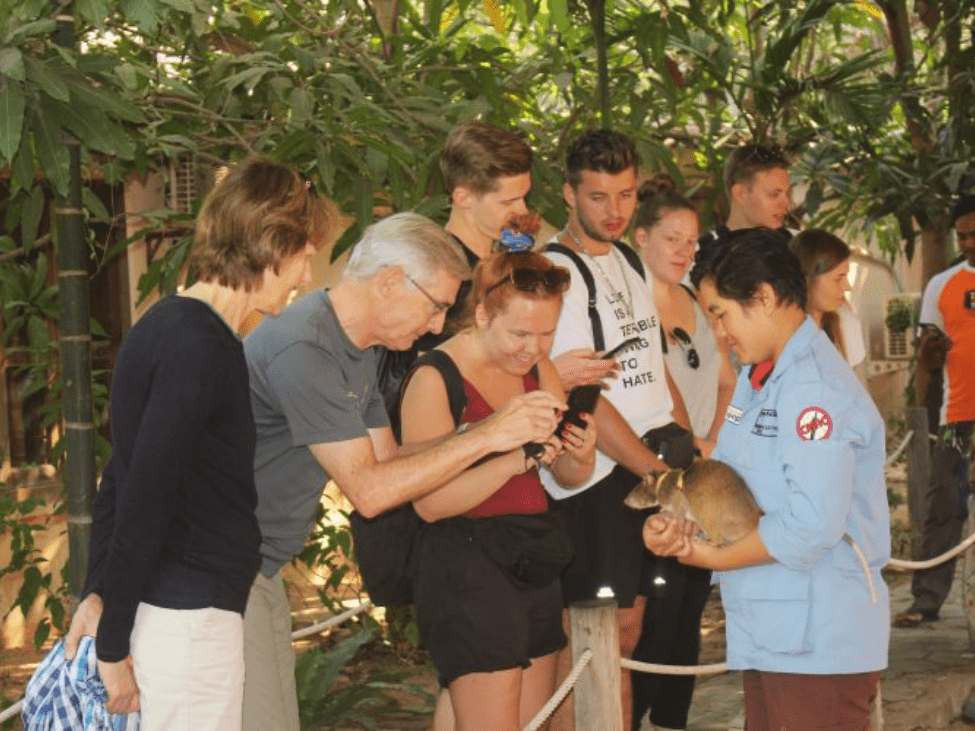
[807, 617]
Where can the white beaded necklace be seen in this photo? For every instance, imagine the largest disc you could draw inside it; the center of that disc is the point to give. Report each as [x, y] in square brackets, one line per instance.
[628, 301]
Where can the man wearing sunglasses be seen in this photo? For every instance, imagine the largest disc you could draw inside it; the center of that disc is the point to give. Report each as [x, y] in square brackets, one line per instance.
[319, 416]
[601, 193]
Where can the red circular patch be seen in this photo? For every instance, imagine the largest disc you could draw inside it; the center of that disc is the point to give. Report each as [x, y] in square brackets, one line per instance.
[814, 424]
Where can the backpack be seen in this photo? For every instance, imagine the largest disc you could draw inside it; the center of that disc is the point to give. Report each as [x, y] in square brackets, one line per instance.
[599, 343]
[384, 546]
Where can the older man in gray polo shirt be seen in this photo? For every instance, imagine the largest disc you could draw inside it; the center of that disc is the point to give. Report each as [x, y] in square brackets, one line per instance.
[319, 415]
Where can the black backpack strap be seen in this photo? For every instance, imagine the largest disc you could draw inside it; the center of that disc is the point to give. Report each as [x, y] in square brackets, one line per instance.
[595, 323]
[630, 254]
[454, 382]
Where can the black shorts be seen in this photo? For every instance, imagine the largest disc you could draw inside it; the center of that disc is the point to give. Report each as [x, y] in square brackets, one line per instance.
[471, 618]
[608, 540]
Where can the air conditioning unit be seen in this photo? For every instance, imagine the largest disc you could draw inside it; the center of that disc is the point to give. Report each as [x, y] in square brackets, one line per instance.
[182, 184]
[897, 341]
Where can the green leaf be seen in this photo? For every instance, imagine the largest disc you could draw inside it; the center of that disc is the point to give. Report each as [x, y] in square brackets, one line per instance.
[22, 166]
[11, 117]
[559, 12]
[96, 11]
[51, 150]
[183, 6]
[96, 131]
[37, 334]
[94, 205]
[142, 13]
[110, 103]
[37, 28]
[302, 106]
[12, 63]
[41, 633]
[47, 80]
[30, 216]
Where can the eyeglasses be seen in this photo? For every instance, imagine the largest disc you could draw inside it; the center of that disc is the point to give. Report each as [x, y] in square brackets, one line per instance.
[687, 345]
[555, 280]
[438, 306]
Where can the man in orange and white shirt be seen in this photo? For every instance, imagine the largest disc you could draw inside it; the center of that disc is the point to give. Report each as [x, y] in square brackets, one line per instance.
[948, 309]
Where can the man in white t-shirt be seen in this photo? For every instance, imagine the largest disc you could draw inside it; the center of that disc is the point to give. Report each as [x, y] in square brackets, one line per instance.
[600, 190]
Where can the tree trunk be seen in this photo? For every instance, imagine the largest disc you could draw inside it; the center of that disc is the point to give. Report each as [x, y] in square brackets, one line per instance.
[597, 13]
[934, 234]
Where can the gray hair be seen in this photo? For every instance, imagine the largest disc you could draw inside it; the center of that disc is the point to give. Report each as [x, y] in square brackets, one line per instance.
[410, 241]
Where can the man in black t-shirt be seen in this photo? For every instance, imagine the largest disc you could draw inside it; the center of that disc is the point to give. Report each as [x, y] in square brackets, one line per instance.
[487, 174]
[759, 190]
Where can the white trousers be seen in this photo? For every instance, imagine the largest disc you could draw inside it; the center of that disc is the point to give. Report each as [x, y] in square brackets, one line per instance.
[189, 664]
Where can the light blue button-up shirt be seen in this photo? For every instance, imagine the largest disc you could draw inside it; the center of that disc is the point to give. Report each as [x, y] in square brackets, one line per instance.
[810, 444]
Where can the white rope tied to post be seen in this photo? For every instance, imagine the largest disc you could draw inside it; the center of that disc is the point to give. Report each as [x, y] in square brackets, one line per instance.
[11, 711]
[649, 667]
[563, 690]
[331, 622]
[897, 452]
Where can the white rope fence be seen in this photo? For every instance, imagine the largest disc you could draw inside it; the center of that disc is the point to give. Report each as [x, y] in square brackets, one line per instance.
[897, 452]
[563, 690]
[331, 622]
[898, 564]
[9, 713]
[649, 667]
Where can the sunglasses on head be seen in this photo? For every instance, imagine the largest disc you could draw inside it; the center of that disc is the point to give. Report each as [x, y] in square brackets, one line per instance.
[687, 345]
[765, 154]
[527, 279]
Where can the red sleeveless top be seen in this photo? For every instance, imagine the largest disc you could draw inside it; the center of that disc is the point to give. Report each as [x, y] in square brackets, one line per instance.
[523, 494]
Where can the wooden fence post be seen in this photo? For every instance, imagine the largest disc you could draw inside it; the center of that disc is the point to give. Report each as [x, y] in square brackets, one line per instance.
[597, 694]
[968, 570]
[918, 474]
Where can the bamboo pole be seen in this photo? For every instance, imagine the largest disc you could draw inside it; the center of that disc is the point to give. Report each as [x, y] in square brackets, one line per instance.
[75, 348]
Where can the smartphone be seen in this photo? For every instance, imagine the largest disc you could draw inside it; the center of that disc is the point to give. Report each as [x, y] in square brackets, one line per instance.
[626, 344]
[581, 400]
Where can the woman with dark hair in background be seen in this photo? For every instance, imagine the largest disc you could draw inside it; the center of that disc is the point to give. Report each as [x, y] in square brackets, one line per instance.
[494, 632]
[665, 233]
[806, 609]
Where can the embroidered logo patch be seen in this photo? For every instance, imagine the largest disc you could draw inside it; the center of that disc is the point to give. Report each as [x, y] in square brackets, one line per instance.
[767, 423]
[733, 414]
[814, 424]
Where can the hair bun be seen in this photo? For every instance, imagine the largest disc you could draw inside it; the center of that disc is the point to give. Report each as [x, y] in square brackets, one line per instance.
[519, 234]
[659, 183]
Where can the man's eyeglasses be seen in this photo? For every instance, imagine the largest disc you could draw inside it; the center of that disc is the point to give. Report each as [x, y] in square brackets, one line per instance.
[555, 280]
[690, 352]
[438, 306]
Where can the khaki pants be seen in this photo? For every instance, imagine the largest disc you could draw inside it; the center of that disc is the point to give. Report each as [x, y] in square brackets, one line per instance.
[189, 665]
[270, 697]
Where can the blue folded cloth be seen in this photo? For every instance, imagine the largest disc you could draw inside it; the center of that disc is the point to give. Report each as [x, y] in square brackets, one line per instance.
[68, 695]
